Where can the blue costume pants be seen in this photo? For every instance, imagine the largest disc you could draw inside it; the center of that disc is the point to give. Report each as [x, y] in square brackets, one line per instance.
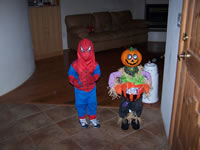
[86, 102]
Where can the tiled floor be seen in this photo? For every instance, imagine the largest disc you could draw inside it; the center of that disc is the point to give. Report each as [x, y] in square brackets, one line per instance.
[56, 127]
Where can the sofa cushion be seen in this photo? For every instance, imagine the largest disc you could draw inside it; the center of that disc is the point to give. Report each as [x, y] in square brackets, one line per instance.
[102, 22]
[82, 20]
[78, 30]
[111, 35]
[119, 19]
[83, 35]
[115, 20]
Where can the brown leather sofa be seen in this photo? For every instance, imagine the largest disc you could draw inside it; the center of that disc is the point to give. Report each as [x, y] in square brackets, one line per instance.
[106, 30]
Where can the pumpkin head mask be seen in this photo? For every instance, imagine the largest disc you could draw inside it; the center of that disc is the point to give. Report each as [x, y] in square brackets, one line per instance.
[131, 57]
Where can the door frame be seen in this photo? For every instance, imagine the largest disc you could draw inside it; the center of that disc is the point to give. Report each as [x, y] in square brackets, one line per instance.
[177, 90]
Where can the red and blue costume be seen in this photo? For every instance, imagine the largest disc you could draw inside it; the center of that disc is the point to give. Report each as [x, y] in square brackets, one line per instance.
[83, 74]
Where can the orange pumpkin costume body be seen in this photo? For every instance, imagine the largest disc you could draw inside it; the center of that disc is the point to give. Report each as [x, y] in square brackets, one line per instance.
[131, 89]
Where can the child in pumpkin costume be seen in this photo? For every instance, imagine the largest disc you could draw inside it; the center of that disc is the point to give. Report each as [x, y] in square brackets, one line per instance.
[82, 74]
[130, 82]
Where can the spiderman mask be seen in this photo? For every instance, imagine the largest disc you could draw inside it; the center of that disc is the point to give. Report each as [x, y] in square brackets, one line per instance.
[85, 50]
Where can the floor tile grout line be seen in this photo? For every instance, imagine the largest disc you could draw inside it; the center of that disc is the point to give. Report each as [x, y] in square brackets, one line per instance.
[17, 120]
[55, 122]
[70, 137]
[65, 118]
[73, 115]
[44, 109]
[134, 131]
[80, 146]
[40, 112]
[25, 116]
[9, 138]
[52, 122]
[145, 131]
[115, 111]
[147, 124]
[116, 139]
[110, 120]
[36, 146]
[57, 128]
[26, 134]
[119, 141]
[153, 135]
[28, 115]
[160, 148]
[45, 112]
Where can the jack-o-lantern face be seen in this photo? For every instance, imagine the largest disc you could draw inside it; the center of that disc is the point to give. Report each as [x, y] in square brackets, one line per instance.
[131, 57]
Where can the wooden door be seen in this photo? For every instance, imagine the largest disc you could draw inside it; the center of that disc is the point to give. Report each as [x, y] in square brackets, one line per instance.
[39, 30]
[54, 31]
[46, 31]
[185, 123]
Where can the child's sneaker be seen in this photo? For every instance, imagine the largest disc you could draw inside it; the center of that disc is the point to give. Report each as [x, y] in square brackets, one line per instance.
[83, 123]
[95, 123]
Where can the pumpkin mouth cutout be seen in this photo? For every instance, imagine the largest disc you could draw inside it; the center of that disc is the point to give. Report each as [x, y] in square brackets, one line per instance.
[131, 63]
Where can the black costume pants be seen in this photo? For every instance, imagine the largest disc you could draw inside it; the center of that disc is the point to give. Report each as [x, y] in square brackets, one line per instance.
[135, 106]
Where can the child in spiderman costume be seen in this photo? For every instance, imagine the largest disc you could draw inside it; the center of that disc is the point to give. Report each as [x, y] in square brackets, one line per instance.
[82, 74]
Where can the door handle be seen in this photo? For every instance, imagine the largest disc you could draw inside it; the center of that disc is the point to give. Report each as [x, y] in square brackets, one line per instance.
[184, 55]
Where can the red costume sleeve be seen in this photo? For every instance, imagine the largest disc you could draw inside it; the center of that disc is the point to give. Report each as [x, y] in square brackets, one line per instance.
[95, 77]
[74, 81]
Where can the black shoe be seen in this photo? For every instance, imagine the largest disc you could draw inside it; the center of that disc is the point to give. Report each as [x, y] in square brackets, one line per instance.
[125, 125]
[135, 124]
